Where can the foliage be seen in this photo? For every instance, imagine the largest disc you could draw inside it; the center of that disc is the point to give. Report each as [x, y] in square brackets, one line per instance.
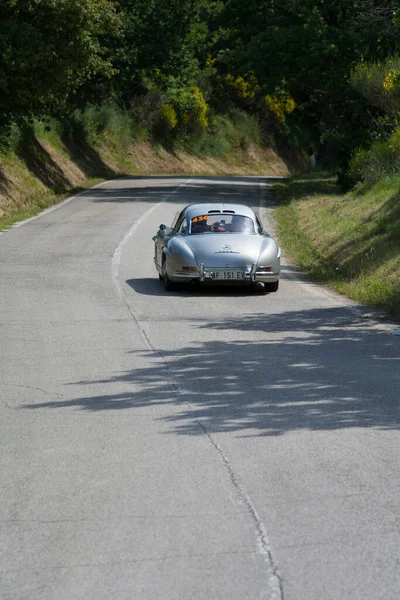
[381, 160]
[309, 50]
[187, 107]
[238, 90]
[159, 43]
[168, 114]
[280, 105]
[379, 83]
[92, 123]
[48, 49]
[311, 71]
[227, 134]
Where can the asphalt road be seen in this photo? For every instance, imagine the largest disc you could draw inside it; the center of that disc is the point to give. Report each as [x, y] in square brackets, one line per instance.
[205, 443]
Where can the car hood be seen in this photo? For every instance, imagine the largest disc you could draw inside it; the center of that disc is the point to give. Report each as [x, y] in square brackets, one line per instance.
[216, 250]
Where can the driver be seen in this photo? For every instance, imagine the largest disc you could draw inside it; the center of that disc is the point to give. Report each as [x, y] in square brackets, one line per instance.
[199, 226]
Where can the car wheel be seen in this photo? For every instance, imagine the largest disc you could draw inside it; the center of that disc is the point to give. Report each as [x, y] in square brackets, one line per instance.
[272, 286]
[168, 284]
[258, 288]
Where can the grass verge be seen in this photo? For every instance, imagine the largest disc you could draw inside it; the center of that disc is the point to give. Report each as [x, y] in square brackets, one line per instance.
[36, 203]
[350, 242]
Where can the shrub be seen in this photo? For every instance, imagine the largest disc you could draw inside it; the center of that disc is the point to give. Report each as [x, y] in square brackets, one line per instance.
[189, 106]
[95, 121]
[280, 105]
[379, 83]
[168, 114]
[236, 89]
[381, 160]
[225, 134]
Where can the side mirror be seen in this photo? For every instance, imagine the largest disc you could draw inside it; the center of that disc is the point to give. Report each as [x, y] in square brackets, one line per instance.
[162, 227]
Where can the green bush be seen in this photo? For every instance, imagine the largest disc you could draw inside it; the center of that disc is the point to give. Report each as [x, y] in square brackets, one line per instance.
[9, 138]
[382, 159]
[206, 143]
[189, 109]
[379, 83]
[94, 122]
[225, 134]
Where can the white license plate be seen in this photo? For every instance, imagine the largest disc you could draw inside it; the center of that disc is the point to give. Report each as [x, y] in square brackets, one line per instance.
[229, 275]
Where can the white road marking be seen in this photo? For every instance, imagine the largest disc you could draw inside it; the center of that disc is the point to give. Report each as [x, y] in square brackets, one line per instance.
[46, 211]
[116, 259]
[262, 539]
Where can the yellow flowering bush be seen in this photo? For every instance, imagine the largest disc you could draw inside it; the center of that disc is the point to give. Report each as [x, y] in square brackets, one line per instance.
[200, 107]
[210, 62]
[280, 105]
[244, 88]
[379, 83]
[394, 141]
[238, 87]
[189, 106]
[168, 114]
[391, 80]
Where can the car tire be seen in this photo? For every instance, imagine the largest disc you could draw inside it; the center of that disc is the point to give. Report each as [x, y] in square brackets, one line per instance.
[168, 284]
[271, 286]
[258, 288]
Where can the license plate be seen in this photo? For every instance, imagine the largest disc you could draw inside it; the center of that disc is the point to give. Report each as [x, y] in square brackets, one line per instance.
[229, 275]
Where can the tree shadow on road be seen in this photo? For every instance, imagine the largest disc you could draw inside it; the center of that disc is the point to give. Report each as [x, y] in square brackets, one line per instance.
[320, 369]
[240, 190]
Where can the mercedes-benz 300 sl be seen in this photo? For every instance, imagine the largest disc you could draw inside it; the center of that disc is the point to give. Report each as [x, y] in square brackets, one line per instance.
[217, 243]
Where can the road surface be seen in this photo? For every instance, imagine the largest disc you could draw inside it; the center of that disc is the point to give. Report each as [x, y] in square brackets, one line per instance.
[202, 443]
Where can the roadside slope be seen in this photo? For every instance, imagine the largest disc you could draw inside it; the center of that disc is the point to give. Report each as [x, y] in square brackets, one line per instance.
[350, 242]
[44, 169]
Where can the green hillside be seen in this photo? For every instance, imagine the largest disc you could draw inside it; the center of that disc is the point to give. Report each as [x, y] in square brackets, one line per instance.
[350, 242]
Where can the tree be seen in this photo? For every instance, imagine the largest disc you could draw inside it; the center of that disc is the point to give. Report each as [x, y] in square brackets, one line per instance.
[158, 43]
[48, 49]
[309, 48]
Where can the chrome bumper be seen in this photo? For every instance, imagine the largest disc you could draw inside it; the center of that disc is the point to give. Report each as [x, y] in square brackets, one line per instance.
[206, 275]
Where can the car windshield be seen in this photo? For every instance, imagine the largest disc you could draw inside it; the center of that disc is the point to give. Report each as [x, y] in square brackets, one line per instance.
[221, 223]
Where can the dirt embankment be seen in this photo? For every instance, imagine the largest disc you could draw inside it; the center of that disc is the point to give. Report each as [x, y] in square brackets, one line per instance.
[41, 170]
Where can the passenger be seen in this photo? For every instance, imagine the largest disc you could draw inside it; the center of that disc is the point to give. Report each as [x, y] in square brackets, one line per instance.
[248, 226]
[219, 227]
[242, 224]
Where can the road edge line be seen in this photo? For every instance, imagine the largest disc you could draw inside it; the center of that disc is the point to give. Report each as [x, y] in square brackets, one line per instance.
[46, 211]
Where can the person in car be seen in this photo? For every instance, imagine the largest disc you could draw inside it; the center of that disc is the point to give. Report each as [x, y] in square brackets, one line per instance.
[199, 226]
[242, 224]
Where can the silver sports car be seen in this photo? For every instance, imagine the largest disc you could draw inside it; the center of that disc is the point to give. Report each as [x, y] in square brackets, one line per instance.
[217, 243]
